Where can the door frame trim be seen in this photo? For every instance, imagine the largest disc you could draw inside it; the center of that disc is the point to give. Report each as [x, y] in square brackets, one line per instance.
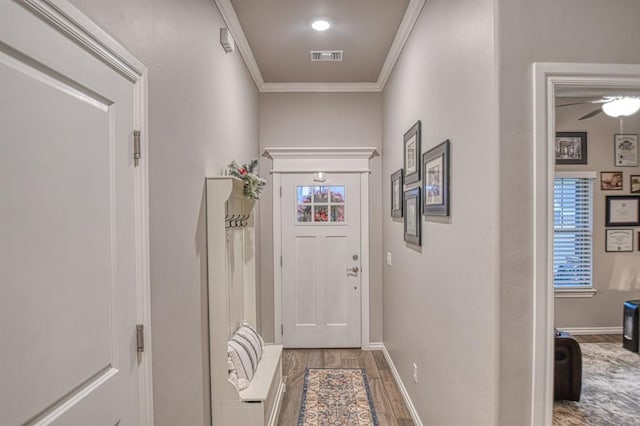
[70, 21]
[331, 160]
[548, 78]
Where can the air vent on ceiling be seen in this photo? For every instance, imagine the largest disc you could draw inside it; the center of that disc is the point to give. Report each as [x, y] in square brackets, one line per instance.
[326, 55]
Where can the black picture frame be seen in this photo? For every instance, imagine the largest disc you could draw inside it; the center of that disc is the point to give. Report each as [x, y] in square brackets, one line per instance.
[618, 240]
[397, 186]
[412, 153]
[571, 148]
[435, 182]
[611, 181]
[412, 217]
[622, 210]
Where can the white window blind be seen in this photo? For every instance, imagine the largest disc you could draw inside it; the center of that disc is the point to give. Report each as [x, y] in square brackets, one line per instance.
[573, 232]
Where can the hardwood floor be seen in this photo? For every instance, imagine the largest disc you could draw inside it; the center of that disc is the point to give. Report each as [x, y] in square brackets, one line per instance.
[598, 338]
[388, 402]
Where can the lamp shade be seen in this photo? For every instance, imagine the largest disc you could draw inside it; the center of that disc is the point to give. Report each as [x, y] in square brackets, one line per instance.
[625, 274]
[622, 107]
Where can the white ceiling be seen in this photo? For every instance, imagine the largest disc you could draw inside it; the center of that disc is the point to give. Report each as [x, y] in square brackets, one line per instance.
[275, 37]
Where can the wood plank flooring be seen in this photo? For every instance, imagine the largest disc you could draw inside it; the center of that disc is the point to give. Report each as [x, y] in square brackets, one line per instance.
[386, 397]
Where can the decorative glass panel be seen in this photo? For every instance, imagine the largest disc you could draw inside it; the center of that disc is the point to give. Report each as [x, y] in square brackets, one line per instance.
[337, 194]
[321, 194]
[304, 213]
[304, 194]
[337, 213]
[320, 204]
[320, 213]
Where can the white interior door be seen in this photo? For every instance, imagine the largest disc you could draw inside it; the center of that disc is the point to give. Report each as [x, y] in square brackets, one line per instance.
[321, 302]
[67, 227]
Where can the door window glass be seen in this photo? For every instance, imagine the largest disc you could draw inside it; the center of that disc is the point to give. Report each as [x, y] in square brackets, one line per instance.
[320, 204]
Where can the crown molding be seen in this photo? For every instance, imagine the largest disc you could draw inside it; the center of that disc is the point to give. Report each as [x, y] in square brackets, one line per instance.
[402, 35]
[404, 30]
[233, 24]
[321, 87]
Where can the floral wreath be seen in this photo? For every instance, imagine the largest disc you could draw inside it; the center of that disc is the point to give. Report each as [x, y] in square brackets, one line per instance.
[253, 184]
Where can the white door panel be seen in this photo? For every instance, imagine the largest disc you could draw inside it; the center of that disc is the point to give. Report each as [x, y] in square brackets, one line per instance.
[321, 298]
[67, 221]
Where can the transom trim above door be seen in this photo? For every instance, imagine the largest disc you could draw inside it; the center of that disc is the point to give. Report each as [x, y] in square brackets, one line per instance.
[320, 159]
[351, 160]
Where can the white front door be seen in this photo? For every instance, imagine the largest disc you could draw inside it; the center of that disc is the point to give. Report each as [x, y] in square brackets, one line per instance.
[321, 303]
[67, 230]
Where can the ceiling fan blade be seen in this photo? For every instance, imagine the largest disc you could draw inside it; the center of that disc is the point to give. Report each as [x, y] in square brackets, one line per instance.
[603, 100]
[591, 114]
[575, 103]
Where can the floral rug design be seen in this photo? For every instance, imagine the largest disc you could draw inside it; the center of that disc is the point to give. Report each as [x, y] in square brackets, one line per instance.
[336, 397]
[610, 389]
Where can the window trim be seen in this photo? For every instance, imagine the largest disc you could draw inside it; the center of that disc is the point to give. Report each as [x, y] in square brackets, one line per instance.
[576, 291]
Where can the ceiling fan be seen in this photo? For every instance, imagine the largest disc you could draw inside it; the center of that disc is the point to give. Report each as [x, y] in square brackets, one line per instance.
[613, 106]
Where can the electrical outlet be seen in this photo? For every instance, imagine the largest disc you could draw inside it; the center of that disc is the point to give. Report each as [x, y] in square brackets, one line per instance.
[389, 258]
[415, 373]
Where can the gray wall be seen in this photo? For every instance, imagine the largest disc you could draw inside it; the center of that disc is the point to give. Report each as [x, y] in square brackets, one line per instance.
[538, 31]
[605, 308]
[441, 300]
[321, 120]
[203, 112]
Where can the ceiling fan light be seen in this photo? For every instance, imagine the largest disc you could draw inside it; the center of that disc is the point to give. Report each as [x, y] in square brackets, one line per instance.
[622, 107]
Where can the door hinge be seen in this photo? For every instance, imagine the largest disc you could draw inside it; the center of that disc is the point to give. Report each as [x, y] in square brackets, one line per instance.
[282, 329]
[280, 192]
[137, 154]
[140, 337]
[281, 261]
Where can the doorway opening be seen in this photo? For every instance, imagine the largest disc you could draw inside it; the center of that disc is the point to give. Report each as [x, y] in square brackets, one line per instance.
[551, 79]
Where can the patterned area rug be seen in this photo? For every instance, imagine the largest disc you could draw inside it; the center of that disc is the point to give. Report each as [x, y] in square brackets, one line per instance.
[610, 389]
[336, 397]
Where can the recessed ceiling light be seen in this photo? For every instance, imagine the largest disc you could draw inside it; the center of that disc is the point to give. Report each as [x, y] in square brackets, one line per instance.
[320, 24]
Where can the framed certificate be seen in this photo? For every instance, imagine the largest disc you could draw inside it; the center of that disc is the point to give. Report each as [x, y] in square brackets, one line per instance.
[626, 150]
[619, 240]
[622, 210]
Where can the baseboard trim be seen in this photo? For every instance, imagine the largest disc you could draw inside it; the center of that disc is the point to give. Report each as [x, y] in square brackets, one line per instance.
[591, 330]
[376, 346]
[403, 389]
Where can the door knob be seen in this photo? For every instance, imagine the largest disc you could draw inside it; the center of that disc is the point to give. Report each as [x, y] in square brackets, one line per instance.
[355, 269]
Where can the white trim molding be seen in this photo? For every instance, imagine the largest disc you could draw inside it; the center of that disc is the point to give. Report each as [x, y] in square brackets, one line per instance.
[402, 35]
[70, 21]
[548, 79]
[403, 390]
[574, 293]
[321, 159]
[583, 331]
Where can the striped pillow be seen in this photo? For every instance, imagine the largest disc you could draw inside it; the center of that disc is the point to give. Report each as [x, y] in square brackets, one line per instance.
[244, 351]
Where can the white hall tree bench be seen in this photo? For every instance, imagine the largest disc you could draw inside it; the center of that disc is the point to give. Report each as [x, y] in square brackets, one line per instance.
[232, 300]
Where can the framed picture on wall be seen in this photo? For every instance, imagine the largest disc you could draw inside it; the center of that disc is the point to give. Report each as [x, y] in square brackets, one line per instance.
[622, 210]
[412, 154]
[412, 223]
[610, 181]
[626, 150]
[619, 240]
[634, 184]
[435, 182]
[396, 194]
[571, 147]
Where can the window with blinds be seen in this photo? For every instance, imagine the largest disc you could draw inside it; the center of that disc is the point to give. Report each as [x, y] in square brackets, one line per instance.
[573, 232]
